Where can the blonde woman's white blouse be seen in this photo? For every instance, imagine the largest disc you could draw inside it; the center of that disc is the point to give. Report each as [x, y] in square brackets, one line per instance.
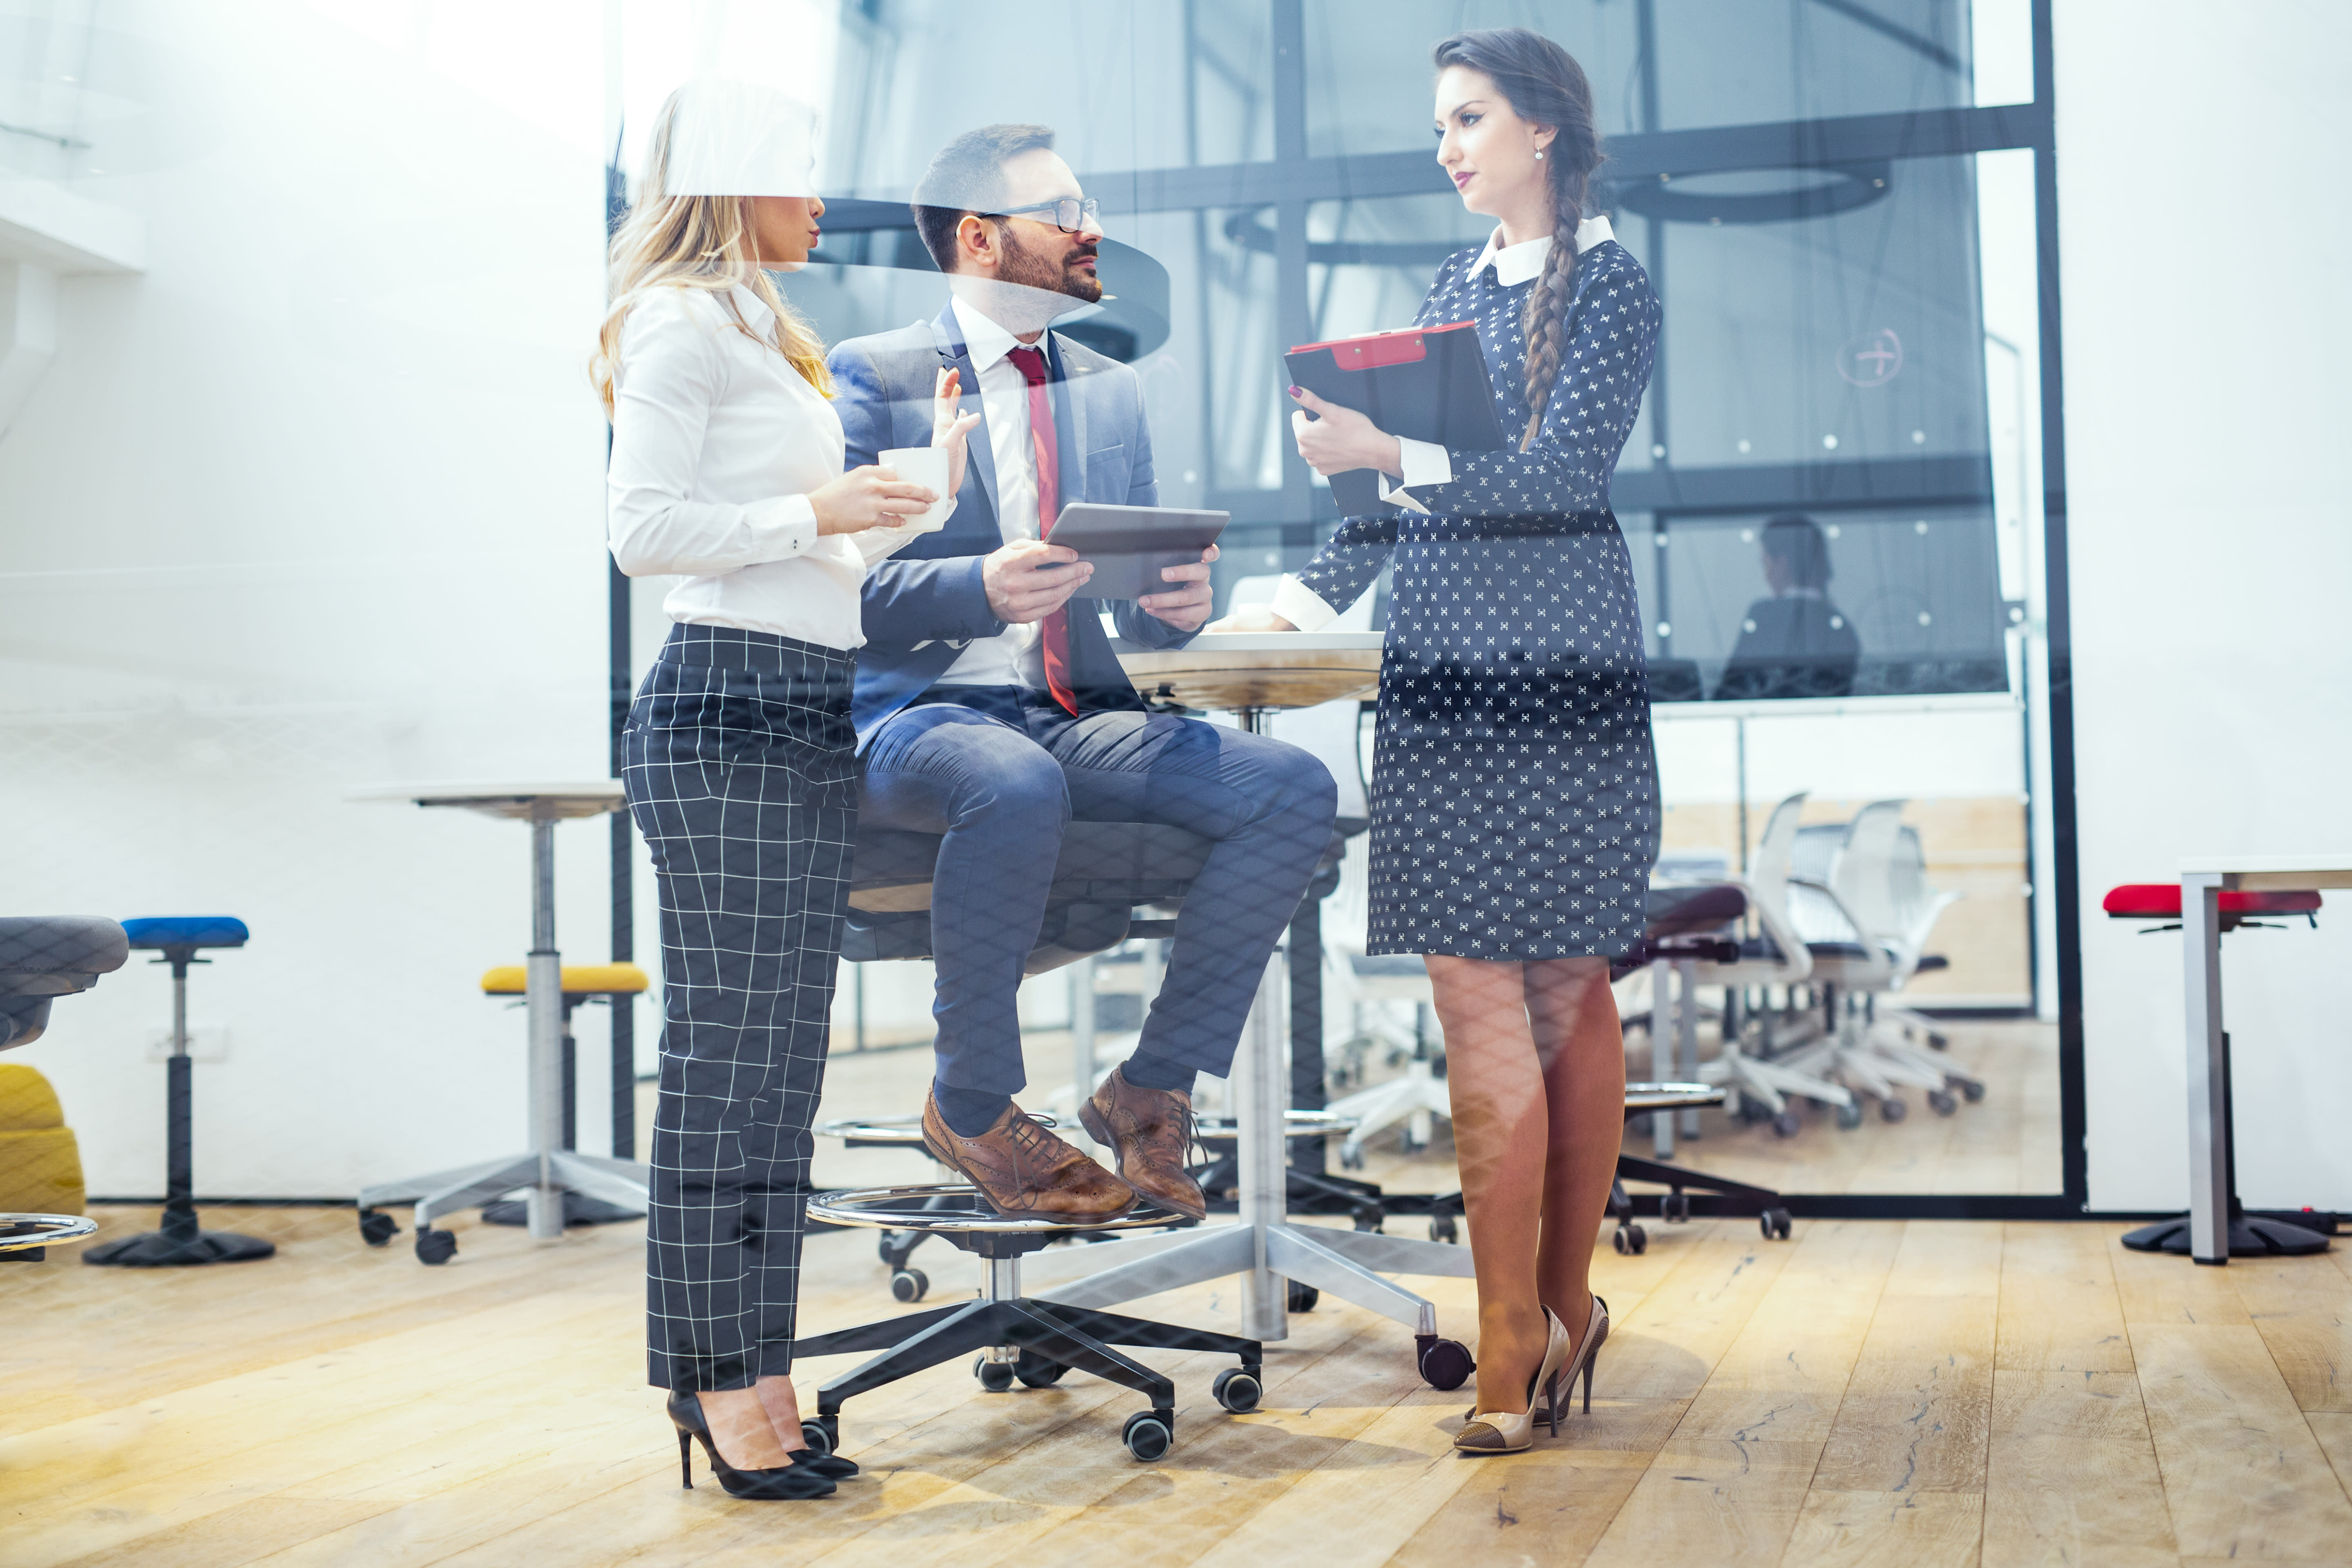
[717, 443]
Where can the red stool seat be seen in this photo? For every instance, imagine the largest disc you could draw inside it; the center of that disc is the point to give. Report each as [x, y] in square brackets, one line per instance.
[2161, 902]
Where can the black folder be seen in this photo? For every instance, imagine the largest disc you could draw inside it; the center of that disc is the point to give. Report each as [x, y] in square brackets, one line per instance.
[1423, 384]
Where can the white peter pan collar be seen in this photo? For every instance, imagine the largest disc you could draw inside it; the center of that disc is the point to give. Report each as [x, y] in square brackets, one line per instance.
[1516, 263]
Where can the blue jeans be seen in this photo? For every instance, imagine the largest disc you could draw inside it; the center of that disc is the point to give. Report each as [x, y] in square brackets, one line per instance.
[998, 773]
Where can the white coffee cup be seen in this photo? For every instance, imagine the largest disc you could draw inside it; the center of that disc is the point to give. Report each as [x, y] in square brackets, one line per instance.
[928, 467]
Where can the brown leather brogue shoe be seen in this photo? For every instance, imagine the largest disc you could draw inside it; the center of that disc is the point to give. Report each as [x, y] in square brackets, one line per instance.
[1024, 1171]
[1149, 1131]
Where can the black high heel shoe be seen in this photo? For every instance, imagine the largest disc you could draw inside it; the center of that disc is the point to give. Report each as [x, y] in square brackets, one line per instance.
[783, 1484]
[830, 1465]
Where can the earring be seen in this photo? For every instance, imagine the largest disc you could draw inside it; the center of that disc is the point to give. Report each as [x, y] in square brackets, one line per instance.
[1539, 153]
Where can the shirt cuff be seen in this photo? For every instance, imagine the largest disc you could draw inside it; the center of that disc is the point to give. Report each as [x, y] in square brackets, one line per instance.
[1425, 463]
[1301, 605]
[781, 529]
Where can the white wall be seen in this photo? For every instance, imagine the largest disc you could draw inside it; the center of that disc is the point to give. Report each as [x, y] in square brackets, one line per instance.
[2203, 239]
[313, 502]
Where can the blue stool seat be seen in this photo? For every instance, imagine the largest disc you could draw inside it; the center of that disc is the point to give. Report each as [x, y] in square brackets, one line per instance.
[186, 930]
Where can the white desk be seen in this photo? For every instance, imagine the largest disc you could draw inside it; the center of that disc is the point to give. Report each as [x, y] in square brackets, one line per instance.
[2203, 878]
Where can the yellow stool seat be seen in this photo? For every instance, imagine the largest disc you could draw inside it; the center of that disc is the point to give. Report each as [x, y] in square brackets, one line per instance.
[579, 980]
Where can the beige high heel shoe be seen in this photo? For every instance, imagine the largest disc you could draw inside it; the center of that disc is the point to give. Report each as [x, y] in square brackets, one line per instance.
[1503, 1432]
[1588, 1352]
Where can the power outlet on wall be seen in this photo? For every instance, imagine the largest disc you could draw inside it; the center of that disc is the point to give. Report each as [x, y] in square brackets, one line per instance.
[207, 1043]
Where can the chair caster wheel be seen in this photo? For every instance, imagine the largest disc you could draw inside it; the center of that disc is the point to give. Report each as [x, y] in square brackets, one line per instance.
[1351, 1157]
[1675, 1208]
[1629, 1239]
[434, 1246]
[1774, 1223]
[887, 1248]
[1848, 1117]
[995, 1376]
[1941, 1102]
[1444, 1363]
[1971, 1091]
[1441, 1229]
[376, 1229]
[818, 1437]
[1149, 1434]
[1237, 1389]
[1036, 1371]
[1893, 1110]
[1369, 1219]
[1937, 1042]
[909, 1285]
[1787, 1125]
[1300, 1298]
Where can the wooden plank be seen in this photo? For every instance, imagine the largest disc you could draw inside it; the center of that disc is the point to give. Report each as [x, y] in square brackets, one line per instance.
[2242, 1473]
[2059, 1308]
[233, 1536]
[2333, 1429]
[2303, 1308]
[1665, 1347]
[1553, 1502]
[1711, 1503]
[1783, 1377]
[1868, 1530]
[2071, 1476]
[2164, 1288]
[1915, 1410]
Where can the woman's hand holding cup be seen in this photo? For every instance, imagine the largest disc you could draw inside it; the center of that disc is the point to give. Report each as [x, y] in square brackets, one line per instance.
[871, 496]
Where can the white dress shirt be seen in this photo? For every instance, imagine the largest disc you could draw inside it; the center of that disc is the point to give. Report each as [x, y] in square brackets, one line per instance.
[1425, 462]
[1015, 656]
[717, 443]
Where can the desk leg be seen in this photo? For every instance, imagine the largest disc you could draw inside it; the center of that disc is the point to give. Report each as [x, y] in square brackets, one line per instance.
[2209, 1080]
[543, 993]
[1260, 1086]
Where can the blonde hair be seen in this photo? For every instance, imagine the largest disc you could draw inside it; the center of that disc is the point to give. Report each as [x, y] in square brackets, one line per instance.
[693, 242]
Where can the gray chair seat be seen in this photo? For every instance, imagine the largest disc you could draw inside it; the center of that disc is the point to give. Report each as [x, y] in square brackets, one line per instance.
[44, 956]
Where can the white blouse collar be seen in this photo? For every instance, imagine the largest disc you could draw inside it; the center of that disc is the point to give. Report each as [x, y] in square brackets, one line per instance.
[1516, 263]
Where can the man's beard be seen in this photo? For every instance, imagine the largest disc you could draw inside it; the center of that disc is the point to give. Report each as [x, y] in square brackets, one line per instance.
[1028, 270]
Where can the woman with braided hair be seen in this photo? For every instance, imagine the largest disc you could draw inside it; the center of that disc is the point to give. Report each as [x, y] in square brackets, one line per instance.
[1515, 806]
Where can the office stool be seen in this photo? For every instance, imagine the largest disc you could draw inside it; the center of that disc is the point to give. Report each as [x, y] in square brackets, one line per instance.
[181, 1241]
[1310, 1191]
[42, 958]
[896, 1248]
[583, 983]
[1031, 1342]
[2280, 1232]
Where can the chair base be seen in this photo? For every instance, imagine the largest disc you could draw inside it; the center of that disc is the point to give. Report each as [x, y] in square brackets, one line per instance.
[179, 1248]
[579, 1208]
[2250, 1236]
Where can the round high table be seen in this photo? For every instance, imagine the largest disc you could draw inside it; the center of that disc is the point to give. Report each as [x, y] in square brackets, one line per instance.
[1252, 675]
[547, 1171]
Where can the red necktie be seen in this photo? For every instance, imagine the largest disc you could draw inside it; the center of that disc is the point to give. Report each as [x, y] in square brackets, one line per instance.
[1055, 628]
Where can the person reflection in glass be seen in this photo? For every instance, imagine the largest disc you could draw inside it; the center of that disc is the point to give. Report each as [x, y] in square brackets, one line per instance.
[1797, 643]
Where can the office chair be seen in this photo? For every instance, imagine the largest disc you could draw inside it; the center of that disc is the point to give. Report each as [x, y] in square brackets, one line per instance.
[1774, 955]
[42, 958]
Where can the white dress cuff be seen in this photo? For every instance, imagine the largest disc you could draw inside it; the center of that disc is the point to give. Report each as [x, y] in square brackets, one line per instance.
[1301, 605]
[1425, 463]
[781, 529]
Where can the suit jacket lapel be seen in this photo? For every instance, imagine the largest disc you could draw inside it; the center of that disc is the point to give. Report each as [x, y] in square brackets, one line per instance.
[954, 356]
[1070, 421]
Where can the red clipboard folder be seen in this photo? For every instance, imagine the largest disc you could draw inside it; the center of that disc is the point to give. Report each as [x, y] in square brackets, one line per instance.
[1424, 383]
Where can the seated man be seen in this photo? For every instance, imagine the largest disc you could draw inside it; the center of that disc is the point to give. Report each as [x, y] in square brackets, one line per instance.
[1794, 644]
[990, 709]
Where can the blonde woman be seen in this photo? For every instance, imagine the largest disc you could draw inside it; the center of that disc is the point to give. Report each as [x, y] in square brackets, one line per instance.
[738, 755]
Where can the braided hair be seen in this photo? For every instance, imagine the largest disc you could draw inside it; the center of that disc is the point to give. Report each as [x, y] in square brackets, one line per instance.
[1545, 85]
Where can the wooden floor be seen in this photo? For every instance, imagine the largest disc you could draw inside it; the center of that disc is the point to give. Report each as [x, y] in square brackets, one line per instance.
[1921, 1394]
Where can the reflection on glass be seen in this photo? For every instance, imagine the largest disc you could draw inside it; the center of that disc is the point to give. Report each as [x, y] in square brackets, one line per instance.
[1793, 642]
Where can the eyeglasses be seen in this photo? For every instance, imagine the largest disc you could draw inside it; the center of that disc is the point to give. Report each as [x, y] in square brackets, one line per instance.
[1069, 214]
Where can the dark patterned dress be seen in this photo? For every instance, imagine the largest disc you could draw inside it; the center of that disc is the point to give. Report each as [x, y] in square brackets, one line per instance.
[1515, 798]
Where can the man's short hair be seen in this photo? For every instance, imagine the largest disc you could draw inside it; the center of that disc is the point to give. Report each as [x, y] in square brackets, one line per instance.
[968, 176]
[1798, 541]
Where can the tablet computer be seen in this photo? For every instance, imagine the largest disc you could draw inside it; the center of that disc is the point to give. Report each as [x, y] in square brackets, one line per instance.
[1130, 544]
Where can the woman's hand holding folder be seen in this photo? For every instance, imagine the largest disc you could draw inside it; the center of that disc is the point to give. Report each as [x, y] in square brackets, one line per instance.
[1339, 439]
